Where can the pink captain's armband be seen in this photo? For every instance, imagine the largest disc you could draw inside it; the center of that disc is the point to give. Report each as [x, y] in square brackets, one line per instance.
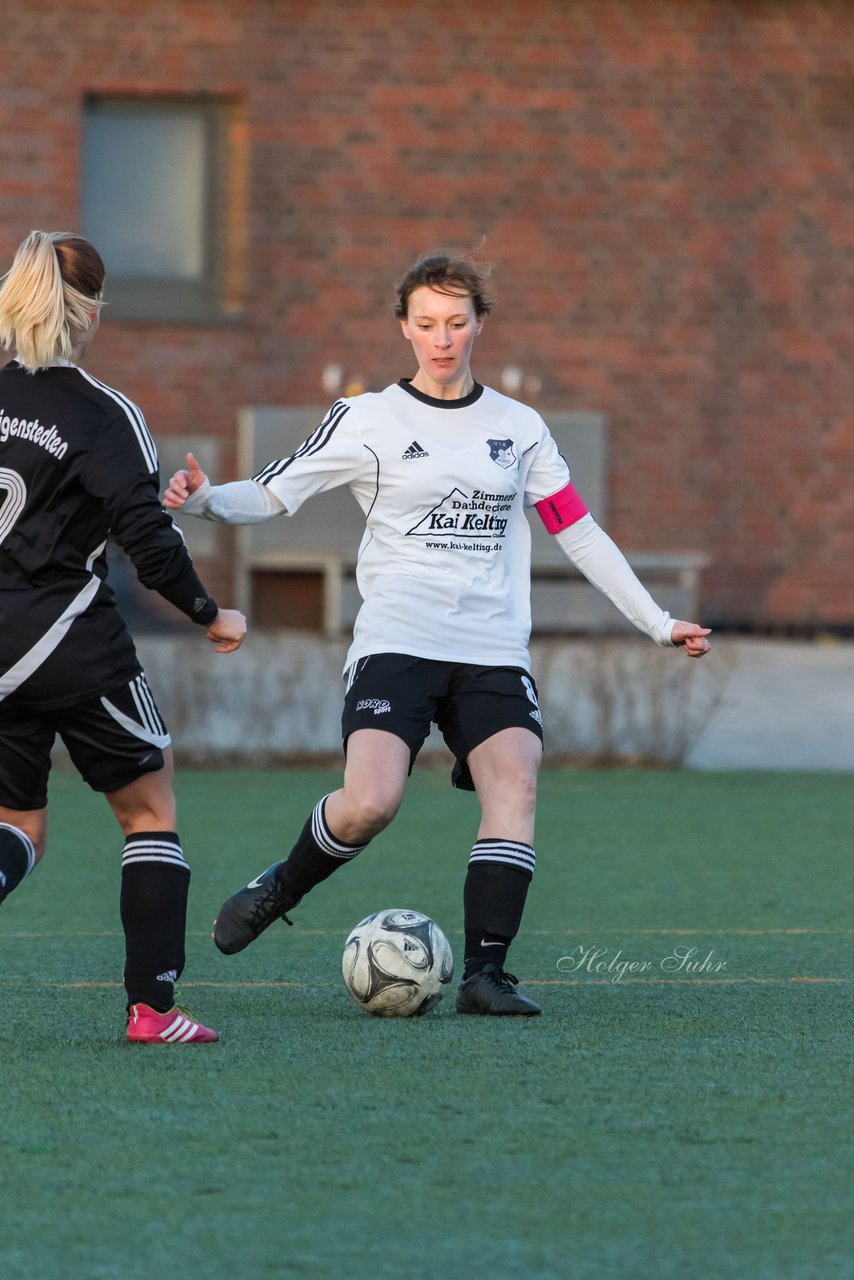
[561, 509]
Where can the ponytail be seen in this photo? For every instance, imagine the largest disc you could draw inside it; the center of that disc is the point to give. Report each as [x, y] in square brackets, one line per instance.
[52, 289]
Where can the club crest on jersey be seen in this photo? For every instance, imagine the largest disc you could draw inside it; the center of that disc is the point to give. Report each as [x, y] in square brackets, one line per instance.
[501, 451]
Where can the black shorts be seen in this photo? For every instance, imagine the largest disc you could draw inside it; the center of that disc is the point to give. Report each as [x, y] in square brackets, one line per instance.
[112, 740]
[405, 695]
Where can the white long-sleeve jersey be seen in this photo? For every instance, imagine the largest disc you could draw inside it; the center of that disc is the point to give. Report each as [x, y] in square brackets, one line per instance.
[444, 566]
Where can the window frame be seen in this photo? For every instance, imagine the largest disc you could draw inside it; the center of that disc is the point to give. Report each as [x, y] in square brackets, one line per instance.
[167, 298]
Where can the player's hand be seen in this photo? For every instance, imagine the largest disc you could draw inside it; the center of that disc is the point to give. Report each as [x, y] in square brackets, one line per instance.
[227, 630]
[183, 483]
[691, 637]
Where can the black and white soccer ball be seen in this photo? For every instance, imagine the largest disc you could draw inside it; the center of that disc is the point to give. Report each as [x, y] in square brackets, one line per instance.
[397, 963]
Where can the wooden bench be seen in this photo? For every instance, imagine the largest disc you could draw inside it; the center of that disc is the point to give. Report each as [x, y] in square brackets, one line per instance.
[303, 568]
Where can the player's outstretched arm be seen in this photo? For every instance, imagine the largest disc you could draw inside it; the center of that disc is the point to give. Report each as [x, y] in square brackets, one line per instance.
[227, 631]
[600, 560]
[238, 502]
[184, 483]
[691, 637]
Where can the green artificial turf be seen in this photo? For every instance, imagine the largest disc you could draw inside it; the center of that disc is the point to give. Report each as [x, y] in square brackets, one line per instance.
[656, 1123]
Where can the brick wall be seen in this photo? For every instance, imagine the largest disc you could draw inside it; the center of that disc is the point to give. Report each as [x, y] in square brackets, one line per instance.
[665, 187]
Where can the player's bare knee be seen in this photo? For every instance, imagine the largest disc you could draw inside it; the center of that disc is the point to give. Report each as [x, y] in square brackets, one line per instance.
[514, 796]
[147, 804]
[519, 786]
[527, 789]
[371, 812]
[132, 818]
[32, 823]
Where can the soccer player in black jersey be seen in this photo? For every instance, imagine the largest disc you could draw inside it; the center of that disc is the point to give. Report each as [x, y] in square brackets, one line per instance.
[77, 464]
[443, 468]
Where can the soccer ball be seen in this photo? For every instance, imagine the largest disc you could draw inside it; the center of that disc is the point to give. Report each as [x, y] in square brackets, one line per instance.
[397, 963]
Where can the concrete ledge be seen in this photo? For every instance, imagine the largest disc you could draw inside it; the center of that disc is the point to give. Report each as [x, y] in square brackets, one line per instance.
[786, 705]
[752, 704]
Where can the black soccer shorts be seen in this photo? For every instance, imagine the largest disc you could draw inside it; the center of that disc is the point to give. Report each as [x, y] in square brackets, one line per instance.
[405, 695]
[112, 740]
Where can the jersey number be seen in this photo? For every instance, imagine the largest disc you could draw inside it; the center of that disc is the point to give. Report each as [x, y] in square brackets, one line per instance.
[13, 503]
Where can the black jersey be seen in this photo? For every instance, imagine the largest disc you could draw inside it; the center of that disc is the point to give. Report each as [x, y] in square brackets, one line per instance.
[77, 464]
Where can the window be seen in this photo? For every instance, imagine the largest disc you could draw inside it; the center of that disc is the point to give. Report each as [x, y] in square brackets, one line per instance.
[162, 204]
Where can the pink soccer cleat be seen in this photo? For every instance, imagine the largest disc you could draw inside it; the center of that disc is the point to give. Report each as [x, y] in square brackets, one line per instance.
[147, 1026]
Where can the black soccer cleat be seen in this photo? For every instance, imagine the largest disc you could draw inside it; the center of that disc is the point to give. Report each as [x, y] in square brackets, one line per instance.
[247, 913]
[491, 990]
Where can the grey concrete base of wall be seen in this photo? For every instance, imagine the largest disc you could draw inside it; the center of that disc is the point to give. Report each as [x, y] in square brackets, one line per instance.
[280, 698]
[750, 704]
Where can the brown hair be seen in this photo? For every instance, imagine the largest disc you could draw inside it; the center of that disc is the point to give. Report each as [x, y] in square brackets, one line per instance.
[80, 264]
[51, 290]
[453, 273]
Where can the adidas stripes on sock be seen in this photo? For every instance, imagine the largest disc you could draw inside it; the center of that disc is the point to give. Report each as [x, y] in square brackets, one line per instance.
[316, 855]
[153, 904]
[17, 858]
[496, 886]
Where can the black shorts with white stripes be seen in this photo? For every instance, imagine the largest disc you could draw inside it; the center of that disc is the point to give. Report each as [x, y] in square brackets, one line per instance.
[405, 695]
[112, 740]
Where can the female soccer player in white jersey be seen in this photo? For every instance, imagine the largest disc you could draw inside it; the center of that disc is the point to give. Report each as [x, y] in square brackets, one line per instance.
[76, 464]
[442, 468]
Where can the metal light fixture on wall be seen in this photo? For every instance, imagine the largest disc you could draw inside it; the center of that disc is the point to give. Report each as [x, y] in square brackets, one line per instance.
[511, 379]
[514, 380]
[331, 379]
[335, 380]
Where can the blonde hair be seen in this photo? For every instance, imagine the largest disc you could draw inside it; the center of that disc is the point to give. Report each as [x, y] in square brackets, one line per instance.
[51, 290]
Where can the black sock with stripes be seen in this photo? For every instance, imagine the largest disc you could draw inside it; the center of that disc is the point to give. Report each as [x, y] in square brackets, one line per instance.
[314, 857]
[17, 858]
[496, 886]
[153, 904]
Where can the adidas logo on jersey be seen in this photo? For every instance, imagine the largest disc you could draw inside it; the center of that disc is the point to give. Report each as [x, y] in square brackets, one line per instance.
[414, 451]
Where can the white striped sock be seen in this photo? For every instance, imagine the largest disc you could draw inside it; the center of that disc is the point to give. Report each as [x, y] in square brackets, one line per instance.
[325, 840]
[153, 848]
[508, 852]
